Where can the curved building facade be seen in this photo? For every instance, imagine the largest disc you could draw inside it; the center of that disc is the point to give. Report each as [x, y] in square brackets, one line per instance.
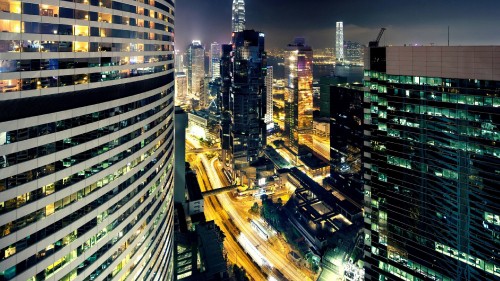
[86, 139]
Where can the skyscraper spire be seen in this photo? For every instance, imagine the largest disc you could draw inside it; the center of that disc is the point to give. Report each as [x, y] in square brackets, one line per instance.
[238, 23]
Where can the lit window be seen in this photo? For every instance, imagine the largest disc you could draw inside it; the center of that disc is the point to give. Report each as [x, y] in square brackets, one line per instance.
[81, 47]
[10, 26]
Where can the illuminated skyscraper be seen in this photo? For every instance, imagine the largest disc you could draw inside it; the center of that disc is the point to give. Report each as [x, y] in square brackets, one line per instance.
[196, 67]
[179, 61]
[339, 42]
[181, 82]
[299, 94]
[86, 140]
[244, 105]
[225, 110]
[269, 100]
[432, 163]
[238, 18]
[215, 53]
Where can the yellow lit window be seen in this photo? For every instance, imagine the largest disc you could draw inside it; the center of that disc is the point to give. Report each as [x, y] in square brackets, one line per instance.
[80, 30]
[13, 7]
[9, 85]
[49, 11]
[10, 26]
[80, 46]
[10, 251]
[105, 18]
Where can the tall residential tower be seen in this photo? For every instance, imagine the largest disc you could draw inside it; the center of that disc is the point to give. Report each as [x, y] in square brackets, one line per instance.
[238, 17]
[432, 163]
[86, 140]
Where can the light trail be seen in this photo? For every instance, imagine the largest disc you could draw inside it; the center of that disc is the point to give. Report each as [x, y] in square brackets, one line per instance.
[257, 256]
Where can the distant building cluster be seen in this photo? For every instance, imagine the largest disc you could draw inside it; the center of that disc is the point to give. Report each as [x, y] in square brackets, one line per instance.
[354, 52]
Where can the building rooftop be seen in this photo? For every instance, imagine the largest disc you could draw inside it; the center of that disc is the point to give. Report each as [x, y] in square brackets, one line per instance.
[210, 239]
[313, 162]
[193, 187]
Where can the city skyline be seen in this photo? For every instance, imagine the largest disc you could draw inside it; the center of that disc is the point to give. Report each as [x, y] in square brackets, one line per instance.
[277, 140]
[281, 20]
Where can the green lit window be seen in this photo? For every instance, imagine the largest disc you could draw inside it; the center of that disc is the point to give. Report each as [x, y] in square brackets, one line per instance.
[382, 216]
[382, 102]
[496, 102]
[488, 101]
[400, 162]
[382, 177]
[462, 99]
[492, 218]
[445, 97]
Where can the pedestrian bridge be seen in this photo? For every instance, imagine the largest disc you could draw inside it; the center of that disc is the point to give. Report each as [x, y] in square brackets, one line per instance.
[219, 190]
[202, 150]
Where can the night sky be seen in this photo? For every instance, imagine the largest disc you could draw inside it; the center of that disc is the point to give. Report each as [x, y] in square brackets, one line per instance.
[472, 22]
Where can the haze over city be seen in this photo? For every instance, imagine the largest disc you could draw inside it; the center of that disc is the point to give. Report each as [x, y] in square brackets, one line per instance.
[410, 22]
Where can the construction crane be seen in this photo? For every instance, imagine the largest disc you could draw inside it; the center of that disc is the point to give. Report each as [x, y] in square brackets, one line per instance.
[375, 43]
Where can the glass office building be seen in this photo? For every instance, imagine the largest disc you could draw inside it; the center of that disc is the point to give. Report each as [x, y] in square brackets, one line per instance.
[215, 55]
[339, 41]
[346, 139]
[432, 163]
[299, 94]
[243, 70]
[196, 68]
[238, 16]
[86, 139]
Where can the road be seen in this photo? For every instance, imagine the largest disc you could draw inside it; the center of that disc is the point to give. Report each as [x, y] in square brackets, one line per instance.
[277, 259]
[214, 211]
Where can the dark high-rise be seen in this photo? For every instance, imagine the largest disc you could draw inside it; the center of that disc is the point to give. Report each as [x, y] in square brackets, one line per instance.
[432, 163]
[326, 84]
[244, 105]
[225, 110]
[346, 139]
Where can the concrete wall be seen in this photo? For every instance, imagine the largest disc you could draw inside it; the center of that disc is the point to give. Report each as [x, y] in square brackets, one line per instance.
[471, 62]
